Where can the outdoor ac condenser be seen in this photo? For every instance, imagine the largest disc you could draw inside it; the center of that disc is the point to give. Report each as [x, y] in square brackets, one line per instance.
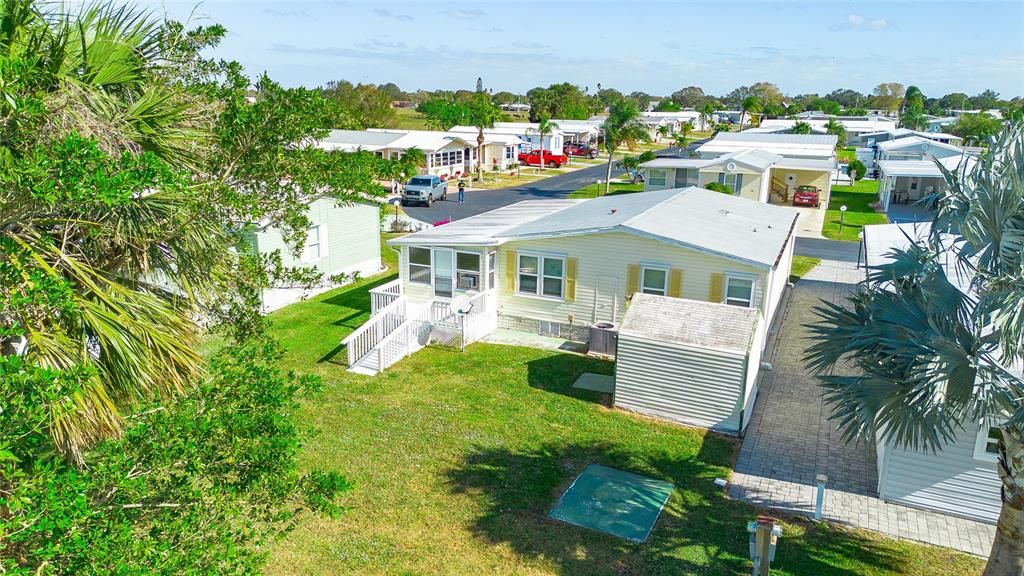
[604, 337]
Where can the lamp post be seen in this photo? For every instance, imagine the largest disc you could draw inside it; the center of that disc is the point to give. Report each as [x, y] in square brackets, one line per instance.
[842, 218]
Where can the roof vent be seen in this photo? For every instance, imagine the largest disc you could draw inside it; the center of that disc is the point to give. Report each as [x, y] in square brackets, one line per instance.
[613, 210]
[731, 166]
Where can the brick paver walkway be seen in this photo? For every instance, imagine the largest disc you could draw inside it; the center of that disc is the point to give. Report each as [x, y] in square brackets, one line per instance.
[790, 441]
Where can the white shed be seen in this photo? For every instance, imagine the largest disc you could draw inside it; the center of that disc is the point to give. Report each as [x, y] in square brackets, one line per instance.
[689, 361]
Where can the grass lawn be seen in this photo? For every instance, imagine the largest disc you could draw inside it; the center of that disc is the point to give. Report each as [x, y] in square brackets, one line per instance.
[410, 119]
[847, 154]
[802, 265]
[458, 457]
[858, 200]
[596, 189]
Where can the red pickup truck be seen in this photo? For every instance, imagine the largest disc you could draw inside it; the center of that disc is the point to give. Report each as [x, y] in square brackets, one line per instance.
[551, 160]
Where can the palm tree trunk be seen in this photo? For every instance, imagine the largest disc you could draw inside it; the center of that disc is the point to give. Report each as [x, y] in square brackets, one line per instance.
[1007, 555]
[480, 152]
[608, 179]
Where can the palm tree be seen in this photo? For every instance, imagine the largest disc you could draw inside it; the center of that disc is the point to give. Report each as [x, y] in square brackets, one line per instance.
[707, 114]
[663, 131]
[682, 138]
[623, 126]
[801, 127]
[544, 127]
[482, 114]
[750, 105]
[631, 164]
[934, 356]
[914, 118]
[836, 129]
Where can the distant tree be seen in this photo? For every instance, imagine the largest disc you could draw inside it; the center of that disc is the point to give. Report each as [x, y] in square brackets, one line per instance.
[857, 169]
[689, 97]
[364, 104]
[623, 126]
[853, 112]
[750, 105]
[987, 100]
[606, 96]
[976, 129]
[773, 110]
[913, 117]
[631, 164]
[718, 187]
[503, 97]
[682, 138]
[847, 98]
[481, 113]
[912, 97]
[559, 101]
[803, 102]
[707, 114]
[801, 127]
[443, 113]
[766, 92]
[735, 98]
[827, 106]
[663, 131]
[888, 96]
[835, 128]
[544, 128]
[479, 84]
[666, 105]
[392, 90]
[642, 99]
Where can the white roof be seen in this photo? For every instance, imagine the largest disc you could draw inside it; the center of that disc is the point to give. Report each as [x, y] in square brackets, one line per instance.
[690, 323]
[568, 126]
[736, 228]
[822, 146]
[517, 129]
[426, 140]
[352, 140]
[486, 228]
[851, 124]
[925, 168]
[881, 239]
[758, 160]
[908, 141]
[903, 132]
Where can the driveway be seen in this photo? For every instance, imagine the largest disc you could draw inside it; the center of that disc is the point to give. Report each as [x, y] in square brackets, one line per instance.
[790, 439]
[479, 201]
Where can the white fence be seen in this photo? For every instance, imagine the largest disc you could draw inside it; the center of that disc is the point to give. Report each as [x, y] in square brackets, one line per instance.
[379, 326]
[384, 294]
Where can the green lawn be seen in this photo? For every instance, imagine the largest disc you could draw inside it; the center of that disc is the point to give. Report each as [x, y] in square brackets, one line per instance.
[457, 458]
[857, 199]
[597, 189]
[801, 266]
[847, 154]
[410, 119]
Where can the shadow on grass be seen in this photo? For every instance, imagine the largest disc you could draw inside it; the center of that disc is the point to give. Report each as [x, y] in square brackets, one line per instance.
[356, 300]
[699, 531]
[558, 372]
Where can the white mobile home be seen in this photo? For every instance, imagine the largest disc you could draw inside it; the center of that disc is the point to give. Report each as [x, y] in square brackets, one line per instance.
[447, 155]
[525, 131]
[961, 479]
[343, 238]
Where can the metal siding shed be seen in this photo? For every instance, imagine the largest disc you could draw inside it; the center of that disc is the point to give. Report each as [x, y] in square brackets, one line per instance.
[685, 361]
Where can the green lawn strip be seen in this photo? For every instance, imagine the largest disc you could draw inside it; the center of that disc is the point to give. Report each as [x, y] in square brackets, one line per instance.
[597, 189]
[847, 154]
[859, 212]
[801, 266]
[457, 457]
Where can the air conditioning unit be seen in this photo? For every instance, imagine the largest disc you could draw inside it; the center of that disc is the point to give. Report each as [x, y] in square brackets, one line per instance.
[604, 338]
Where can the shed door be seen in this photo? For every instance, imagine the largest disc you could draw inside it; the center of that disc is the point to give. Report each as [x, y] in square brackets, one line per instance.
[607, 298]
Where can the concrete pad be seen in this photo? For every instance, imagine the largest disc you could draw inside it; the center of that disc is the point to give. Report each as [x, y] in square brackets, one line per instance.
[531, 340]
[595, 382]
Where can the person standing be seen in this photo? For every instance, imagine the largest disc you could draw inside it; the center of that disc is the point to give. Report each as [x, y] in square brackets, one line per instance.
[462, 191]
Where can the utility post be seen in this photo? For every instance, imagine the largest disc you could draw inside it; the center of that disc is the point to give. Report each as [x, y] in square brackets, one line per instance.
[764, 536]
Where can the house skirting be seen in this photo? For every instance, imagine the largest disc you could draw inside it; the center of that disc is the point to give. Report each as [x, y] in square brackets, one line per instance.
[574, 332]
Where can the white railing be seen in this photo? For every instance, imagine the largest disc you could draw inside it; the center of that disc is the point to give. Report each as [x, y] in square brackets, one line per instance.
[410, 337]
[482, 318]
[359, 343]
[384, 294]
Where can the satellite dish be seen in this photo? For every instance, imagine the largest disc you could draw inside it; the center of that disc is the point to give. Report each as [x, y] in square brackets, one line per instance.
[730, 166]
[461, 304]
[790, 179]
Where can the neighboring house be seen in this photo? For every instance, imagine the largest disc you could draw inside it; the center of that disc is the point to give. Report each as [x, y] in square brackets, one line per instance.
[915, 148]
[585, 131]
[761, 167]
[448, 155]
[902, 183]
[872, 139]
[674, 121]
[525, 131]
[961, 479]
[557, 267]
[856, 126]
[940, 124]
[344, 238]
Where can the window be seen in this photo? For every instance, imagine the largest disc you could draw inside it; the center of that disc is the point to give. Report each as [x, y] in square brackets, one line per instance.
[986, 447]
[656, 177]
[312, 251]
[686, 177]
[419, 265]
[730, 181]
[654, 280]
[491, 259]
[541, 275]
[739, 291]
[467, 270]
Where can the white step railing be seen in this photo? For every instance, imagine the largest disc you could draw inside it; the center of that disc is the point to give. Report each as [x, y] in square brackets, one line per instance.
[411, 336]
[359, 343]
[385, 294]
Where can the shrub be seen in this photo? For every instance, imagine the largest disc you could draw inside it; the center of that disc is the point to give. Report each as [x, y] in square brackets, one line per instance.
[856, 169]
[718, 187]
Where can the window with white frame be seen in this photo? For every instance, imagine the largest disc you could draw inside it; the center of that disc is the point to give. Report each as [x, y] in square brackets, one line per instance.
[656, 177]
[986, 446]
[541, 275]
[491, 273]
[730, 181]
[467, 270]
[654, 280]
[419, 265]
[313, 248]
[739, 291]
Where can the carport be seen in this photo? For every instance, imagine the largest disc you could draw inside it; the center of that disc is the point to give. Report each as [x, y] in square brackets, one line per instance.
[688, 361]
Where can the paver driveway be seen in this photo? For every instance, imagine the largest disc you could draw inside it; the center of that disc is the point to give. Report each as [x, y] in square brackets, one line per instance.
[790, 440]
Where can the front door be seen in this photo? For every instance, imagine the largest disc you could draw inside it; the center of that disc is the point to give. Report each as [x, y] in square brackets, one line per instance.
[607, 298]
[444, 272]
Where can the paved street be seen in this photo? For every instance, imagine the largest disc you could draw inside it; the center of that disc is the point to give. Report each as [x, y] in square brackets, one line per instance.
[790, 440]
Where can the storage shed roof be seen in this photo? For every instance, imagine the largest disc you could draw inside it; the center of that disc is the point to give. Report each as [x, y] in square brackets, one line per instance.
[690, 323]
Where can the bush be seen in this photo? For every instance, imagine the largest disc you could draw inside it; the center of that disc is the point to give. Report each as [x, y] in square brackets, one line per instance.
[856, 169]
[718, 187]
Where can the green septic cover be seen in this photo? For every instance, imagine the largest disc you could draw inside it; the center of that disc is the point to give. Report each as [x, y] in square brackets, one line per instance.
[613, 501]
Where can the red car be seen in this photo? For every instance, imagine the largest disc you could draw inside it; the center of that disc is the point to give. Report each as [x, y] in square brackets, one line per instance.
[581, 150]
[551, 160]
[807, 196]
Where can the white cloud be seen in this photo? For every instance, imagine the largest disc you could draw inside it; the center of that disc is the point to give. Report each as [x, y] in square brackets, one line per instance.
[859, 22]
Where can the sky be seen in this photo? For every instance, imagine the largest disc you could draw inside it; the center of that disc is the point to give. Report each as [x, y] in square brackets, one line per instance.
[654, 47]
